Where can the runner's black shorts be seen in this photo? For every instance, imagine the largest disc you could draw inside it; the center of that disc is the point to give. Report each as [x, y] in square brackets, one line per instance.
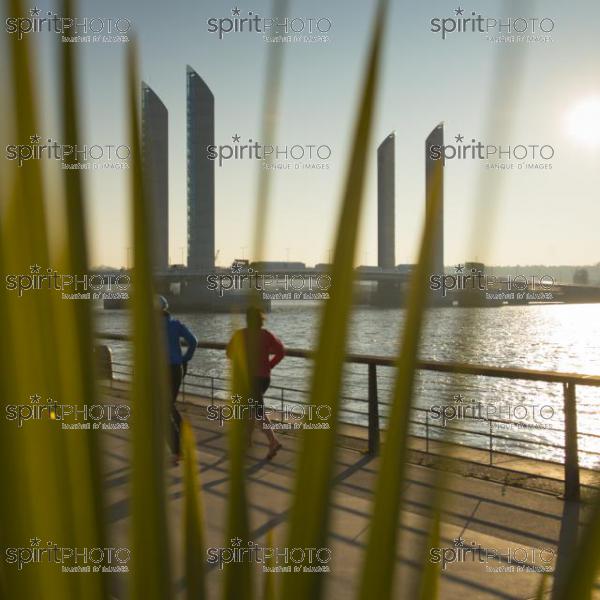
[259, 387]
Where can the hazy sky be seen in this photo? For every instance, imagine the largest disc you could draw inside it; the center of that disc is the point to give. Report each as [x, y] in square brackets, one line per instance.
[498, 93]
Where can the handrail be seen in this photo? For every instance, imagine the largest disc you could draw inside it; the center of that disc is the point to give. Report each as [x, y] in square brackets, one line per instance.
[275, 386]
[569, 382]
[427, 365]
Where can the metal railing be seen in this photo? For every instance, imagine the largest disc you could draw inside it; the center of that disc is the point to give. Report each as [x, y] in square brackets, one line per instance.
[217, 386]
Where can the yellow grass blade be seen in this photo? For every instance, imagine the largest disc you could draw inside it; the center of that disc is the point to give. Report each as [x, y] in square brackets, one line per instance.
[33, 457]
[310, 512]
[193, 518]
[268, 128]
[269, 591]
[75, 321]
[584, 563]
[541, 591]
[151, 571]
[430, 574]
[238, 581]
[380, 560]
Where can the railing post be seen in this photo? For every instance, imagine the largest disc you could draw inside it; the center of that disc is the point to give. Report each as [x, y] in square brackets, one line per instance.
[282, 404]
[571, 445]
[373, 411]
[491, 444]
[427, 432]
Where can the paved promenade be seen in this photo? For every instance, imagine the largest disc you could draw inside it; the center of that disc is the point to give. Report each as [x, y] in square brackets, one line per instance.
[486, 514]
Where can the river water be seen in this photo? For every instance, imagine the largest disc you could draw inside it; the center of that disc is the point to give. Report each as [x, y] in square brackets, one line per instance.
[546, 337]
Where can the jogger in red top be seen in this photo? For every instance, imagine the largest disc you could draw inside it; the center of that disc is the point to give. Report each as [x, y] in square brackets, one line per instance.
[268, 352]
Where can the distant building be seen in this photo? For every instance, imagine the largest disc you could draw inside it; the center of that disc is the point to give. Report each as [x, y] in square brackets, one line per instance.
[434, 183]
[155, 161]
[581, 276]
[478, 267]
[274, 266]
[386, 198]
[200, 173]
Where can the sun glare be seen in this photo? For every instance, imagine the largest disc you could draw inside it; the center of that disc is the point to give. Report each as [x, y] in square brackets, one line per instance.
[583, 121]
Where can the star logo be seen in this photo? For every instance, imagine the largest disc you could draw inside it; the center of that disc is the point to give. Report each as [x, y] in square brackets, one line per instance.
[35, 139]
[236, 12]
[236, 268]
[35, 399]
[35, 268]
[459, 138]
[34, 12]
[458, 542]
[458, 398]
[235, 138]
[35, 542]
[236, 399]
[459, 268]
[459, 11]
[236, 542]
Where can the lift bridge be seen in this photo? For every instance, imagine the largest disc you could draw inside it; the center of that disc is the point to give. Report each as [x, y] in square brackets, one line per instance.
[390, 289]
